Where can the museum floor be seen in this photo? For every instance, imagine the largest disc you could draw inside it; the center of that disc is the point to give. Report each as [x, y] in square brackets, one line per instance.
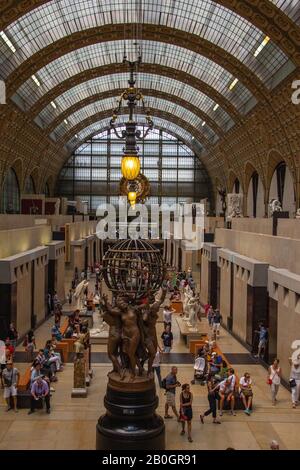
[71, 424]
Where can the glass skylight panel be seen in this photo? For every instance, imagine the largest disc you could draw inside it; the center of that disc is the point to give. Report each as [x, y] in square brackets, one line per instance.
[59, 18]
[290, 7]
[152, 102]
[146, 81]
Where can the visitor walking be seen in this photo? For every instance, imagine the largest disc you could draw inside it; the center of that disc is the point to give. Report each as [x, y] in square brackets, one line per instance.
[216, 321]
[186, 410]
[212, 396]
[156, 367]
[171, 383]
[274, 379]
[167, 337]
[10, 377]
[167, 315]
[295, 381]
[13, 335]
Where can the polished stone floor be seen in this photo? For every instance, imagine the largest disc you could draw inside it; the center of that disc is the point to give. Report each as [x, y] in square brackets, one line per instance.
[72, 422]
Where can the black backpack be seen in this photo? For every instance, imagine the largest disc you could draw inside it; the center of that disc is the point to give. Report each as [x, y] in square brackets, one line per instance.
[164, 383]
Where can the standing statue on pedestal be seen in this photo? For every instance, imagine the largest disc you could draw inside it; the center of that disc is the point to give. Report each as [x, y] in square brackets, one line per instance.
[80, 294]
[134, 271]
[235, 206]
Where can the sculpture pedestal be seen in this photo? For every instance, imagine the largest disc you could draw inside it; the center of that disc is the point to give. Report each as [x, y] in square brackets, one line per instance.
[130, 422]
[79, 389]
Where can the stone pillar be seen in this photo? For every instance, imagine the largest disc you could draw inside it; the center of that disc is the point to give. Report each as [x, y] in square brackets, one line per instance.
[250, 298]
[225, 285]
[209, 273]
[284, 316]
[20, 300]
[56, 269]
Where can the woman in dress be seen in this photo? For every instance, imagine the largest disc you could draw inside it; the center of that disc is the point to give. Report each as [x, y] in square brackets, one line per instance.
[274, 379]
[186, 411]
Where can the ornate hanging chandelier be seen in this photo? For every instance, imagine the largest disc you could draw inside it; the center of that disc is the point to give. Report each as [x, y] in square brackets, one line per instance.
[132, 179]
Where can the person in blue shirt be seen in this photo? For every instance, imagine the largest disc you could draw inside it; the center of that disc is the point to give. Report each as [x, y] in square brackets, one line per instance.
[55, 331]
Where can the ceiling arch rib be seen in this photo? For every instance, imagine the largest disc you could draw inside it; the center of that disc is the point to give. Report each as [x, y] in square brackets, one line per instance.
[101, 126]
[163, 34]
[116, 92]
[206, 20]
[107, 53]
[268, 16]
[153, 102]
[195, 133]
[101, 73]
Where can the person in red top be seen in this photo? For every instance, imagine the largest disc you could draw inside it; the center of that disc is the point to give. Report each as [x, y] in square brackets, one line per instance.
[9, 350]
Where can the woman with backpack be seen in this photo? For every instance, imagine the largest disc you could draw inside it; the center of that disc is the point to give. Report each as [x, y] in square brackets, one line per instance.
[213, 396]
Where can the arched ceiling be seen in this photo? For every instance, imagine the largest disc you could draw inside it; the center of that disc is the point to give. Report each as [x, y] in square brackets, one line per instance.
[63, 117]
[63, 63]
[186, 80]
[163, 113]
[104, 124]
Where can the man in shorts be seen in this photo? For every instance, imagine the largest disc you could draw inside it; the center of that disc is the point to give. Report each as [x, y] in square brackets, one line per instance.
[10, 376]
[171, 384]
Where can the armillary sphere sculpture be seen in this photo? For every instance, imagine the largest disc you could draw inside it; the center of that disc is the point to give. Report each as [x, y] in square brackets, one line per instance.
[134, 271]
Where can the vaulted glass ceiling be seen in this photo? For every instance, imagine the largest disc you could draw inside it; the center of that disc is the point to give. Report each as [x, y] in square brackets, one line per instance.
[206, 19]
[158, 53]
[160, 123]
[153, 102]
[290, 7]
[145, 81]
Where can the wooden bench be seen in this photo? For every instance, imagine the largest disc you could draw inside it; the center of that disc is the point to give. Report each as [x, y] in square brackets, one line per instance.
[177, 306]
[196, 344]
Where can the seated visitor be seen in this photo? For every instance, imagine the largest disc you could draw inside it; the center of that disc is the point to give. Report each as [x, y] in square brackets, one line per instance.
[10, 377]
[52, 357]
[215, 364]
[226, 392]
[55, 332]
[39, 391]
[223, 370]
[167, 337]
[246, 392]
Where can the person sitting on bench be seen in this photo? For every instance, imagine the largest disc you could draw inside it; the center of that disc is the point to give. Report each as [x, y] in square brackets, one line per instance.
[246, 392]
[226, 392]
[39, 390]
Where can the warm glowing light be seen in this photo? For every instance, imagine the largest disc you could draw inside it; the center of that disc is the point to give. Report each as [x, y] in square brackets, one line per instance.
[132, 198]
[216, 107]
[130, 167]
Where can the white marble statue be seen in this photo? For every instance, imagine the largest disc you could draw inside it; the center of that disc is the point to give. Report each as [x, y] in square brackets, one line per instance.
[297, 214]
[275, 206]
[187, 295]
[234, 206]
[80, 294]
[57, 207]
[193, 308]
[99, 326]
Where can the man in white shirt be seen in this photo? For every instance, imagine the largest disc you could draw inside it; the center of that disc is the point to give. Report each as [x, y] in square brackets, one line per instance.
[226, 392]
[167, 314]
[156, 366]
